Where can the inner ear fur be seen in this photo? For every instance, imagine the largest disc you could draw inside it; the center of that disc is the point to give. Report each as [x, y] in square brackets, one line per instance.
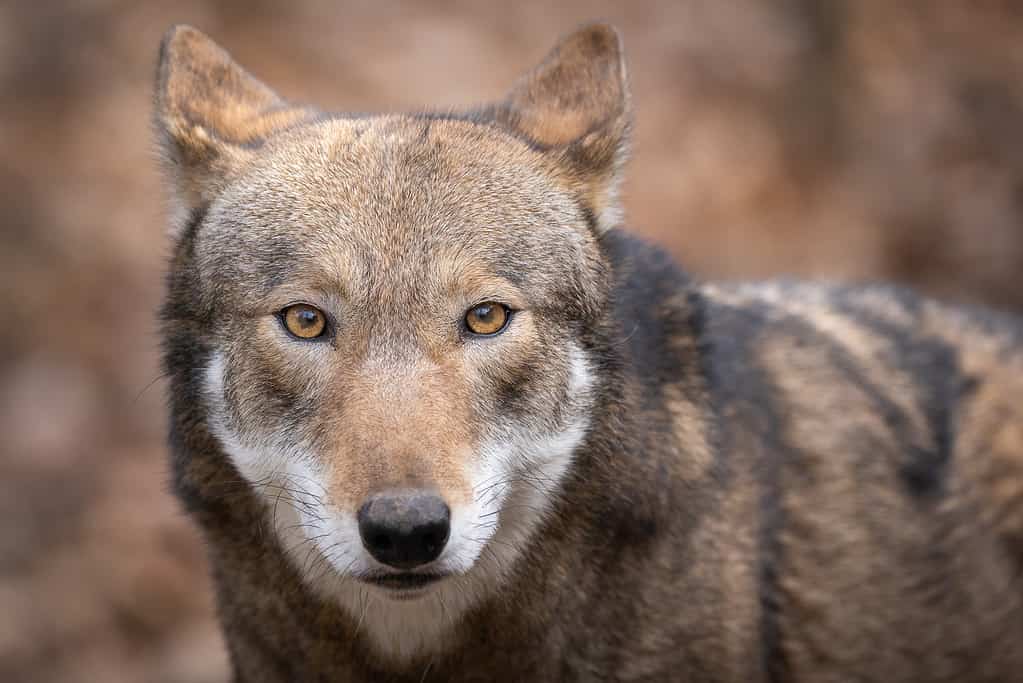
[579, 88]
[575, 107]
[210, 113]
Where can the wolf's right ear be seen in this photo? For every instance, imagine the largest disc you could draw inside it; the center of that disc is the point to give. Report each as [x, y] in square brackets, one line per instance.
[210, 114]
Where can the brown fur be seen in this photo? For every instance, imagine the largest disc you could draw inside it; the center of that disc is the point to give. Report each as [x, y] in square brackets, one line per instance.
[777, 482]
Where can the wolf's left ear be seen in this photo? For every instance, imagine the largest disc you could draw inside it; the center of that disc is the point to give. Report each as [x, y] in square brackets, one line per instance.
[210, 114]
[575, 107]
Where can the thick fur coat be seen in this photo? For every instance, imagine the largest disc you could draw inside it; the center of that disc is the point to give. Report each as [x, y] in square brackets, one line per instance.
[649, 478]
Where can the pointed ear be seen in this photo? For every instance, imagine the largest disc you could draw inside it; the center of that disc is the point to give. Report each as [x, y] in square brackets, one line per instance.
[210, 114]
[575, 107]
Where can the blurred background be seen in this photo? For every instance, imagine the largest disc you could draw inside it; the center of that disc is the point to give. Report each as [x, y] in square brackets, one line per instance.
[862, 139]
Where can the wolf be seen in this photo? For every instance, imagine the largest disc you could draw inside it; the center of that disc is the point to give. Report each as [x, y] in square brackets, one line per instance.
[439, 417]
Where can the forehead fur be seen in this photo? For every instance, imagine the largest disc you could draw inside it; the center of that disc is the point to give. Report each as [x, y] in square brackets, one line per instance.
[350, 202]
[213, 118]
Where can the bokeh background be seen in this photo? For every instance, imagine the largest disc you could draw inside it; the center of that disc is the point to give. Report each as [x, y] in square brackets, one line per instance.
[856, 139]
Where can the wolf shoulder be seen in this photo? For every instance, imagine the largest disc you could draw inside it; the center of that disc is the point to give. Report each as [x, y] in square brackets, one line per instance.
[929, 345]
[874, 380]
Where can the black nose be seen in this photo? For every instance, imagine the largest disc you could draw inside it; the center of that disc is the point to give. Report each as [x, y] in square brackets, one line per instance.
[404, 529]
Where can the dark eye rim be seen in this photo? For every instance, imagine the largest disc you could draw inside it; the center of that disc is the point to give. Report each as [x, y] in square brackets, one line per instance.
[328, 325]
[509, 313]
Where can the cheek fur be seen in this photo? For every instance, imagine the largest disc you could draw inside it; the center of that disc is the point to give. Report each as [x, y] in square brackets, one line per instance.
[275, 383]
[526, 381]
[522, 463]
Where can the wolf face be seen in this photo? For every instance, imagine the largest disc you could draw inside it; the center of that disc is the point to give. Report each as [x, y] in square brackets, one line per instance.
[394, 314]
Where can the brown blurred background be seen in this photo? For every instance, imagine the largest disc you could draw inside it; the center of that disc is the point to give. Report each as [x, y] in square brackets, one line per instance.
[857, 139]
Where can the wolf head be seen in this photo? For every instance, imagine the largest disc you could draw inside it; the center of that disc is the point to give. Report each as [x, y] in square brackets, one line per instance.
[393, 315]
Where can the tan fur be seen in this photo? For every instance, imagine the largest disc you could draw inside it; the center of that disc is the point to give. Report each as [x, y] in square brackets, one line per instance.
[991, 440]
[212, 109]
[649, 478]
[415, 425]
[575, 105]
[579, 89]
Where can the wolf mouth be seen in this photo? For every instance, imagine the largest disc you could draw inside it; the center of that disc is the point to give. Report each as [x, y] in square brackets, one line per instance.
[405, 582]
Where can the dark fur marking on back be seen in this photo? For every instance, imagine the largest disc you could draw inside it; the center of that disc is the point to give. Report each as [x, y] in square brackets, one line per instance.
[938, 385]
[746, 391]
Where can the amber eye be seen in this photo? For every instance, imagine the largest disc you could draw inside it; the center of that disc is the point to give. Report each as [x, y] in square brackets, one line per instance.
[487, 318]
[304, 321]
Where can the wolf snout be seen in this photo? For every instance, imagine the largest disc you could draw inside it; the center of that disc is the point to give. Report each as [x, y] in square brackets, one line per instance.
[404, 529]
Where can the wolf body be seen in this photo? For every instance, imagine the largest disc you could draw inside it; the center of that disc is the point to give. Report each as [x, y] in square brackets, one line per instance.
[638, 477]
